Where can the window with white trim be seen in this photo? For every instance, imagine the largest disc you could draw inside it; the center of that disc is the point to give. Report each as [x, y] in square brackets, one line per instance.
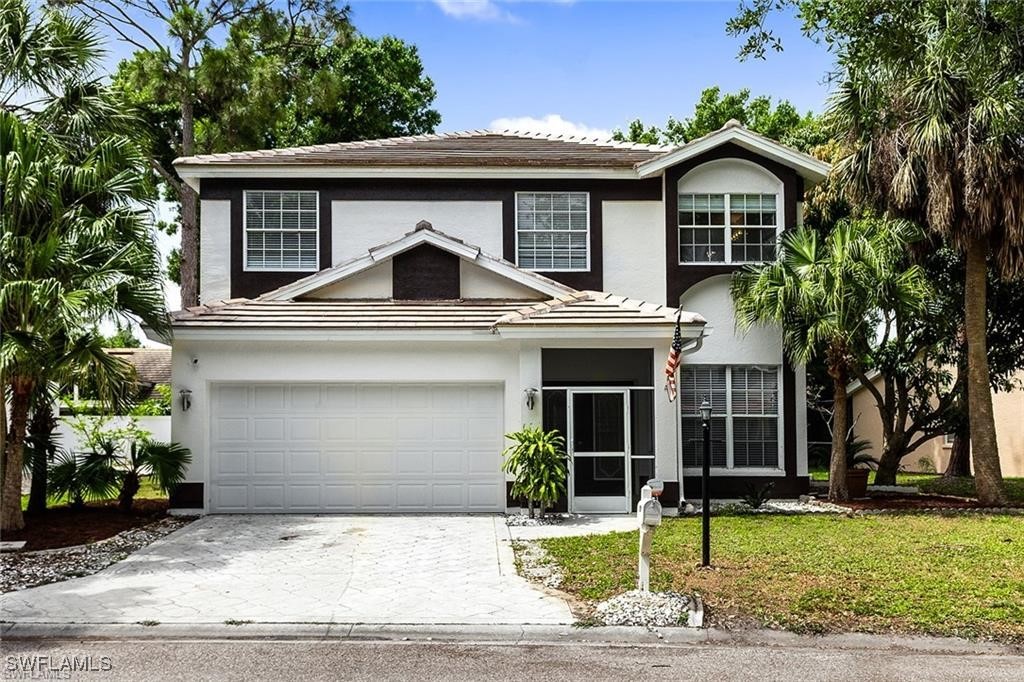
[281, 230]
[727, 228]
[744, 415]
[553, 231]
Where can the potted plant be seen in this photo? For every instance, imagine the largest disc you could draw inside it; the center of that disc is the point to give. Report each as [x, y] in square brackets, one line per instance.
[856, 475]
[537, 461]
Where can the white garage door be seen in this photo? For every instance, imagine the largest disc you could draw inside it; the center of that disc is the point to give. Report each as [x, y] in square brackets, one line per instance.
[356, 448]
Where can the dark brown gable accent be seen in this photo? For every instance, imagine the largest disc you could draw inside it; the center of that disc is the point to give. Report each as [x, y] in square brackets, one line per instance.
[682, 277]
[425, 272]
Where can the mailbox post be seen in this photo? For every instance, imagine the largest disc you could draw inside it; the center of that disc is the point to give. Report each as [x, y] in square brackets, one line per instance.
[648, 516]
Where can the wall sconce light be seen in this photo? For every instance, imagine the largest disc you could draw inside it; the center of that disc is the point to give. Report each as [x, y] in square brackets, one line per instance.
[186, 399]
[531, 397]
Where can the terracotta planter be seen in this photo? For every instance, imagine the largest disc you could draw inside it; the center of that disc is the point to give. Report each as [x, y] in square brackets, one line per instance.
[857, 482]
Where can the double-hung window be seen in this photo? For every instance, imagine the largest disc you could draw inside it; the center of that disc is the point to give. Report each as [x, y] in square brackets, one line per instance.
[727, 228]
[744, 415]
[281, 230]
[553, 231]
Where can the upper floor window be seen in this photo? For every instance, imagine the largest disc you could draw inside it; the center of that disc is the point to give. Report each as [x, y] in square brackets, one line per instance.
[727, 228]
[553, 230]
[281, 230]
[744, 415]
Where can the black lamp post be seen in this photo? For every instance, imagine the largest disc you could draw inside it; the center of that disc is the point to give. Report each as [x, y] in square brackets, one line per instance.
[705, 485]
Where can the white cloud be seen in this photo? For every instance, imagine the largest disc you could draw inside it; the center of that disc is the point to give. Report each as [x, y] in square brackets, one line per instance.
[479, 10]
[552, 123]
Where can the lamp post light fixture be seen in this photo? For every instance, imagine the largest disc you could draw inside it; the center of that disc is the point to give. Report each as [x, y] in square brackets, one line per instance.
[705, 485]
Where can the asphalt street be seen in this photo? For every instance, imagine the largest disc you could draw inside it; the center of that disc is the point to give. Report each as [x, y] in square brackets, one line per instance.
[442, 661]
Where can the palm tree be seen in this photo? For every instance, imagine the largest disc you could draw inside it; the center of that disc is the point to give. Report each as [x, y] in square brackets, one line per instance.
[825, 295]
[931, 110]
[76, 249]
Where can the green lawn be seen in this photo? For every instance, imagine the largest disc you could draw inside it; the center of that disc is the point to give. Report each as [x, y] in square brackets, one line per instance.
[937, 484]
[959, 576]
[147, 491]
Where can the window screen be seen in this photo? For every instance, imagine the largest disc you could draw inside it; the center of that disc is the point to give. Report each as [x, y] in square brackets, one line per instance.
[745, 415]
[281, 230]
[552, 230]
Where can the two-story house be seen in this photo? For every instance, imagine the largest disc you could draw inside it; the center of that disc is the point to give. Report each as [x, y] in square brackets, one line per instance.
[376, 315]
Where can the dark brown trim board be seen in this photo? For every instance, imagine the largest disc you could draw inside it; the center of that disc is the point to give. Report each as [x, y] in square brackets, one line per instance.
[682, 277]
[735, 487]
[252, 284]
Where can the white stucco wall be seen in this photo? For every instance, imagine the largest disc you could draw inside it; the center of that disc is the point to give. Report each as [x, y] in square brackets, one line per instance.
[731, 175]
[215, 250]
[514, 364]
[375, 282]
[728, 345]
[357, 226]
[69, 439]
[634, 247]
[475, 282]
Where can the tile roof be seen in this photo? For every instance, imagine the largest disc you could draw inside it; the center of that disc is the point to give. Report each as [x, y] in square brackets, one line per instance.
[584, 308]
[152, 366]
[467, 148]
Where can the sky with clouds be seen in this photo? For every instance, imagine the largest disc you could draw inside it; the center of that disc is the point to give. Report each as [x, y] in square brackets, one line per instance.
[581, 67]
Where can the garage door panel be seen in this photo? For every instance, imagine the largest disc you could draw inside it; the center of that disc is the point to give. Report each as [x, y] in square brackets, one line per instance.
[448, 463]
[304, 497]
[378, 428]
[304, 428]
[413, 462]
[415, 429]
[268, 398]
[376, 462]
[339, 428]
[340, 497]
[232, 463]
[304, 463]
[231, 429]
[343, 462]
[268, 497]
[351, 448]
[304, 397]
[268, 428]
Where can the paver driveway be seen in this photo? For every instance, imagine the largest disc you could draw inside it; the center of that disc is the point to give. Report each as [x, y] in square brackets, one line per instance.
[320, 569]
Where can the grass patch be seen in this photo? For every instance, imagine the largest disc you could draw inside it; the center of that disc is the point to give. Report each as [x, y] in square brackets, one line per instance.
[147, 491]
[964, 487]
[902, 478]
[955, 576]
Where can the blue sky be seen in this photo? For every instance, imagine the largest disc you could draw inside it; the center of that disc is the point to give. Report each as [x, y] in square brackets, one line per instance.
[594, 64]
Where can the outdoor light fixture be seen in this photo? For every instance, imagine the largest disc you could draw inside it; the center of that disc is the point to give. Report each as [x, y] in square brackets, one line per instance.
[705, 484]
[531, 397]
[186, 399]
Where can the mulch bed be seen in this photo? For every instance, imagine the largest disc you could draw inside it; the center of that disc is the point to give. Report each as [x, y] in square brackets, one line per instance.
[63, 526]
[914, 502]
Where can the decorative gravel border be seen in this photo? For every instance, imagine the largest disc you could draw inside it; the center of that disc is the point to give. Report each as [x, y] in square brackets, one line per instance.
[934, 511]
[20, 570]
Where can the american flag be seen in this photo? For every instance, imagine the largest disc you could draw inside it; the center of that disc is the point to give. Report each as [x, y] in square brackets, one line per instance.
[672, 364]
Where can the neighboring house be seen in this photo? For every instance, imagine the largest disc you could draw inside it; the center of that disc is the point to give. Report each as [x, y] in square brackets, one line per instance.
[933, 454]
[152, 369]
[376, 315]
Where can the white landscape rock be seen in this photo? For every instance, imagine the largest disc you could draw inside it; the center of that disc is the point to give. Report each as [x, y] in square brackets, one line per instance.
[650, 609]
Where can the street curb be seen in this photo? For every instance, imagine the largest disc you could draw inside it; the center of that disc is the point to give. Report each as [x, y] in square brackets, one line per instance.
[503, 635]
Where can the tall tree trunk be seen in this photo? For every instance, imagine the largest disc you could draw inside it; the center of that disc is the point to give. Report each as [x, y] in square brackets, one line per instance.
[837, 469]
[959, 465]
[893, 452]
[11, 518]
[41, 429]
[189, 214]
[984, 449]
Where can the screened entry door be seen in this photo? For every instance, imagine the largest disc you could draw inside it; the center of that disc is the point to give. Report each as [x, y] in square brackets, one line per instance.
[598, 438]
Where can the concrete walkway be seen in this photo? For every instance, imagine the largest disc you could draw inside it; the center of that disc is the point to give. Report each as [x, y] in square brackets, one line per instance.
[306, 569]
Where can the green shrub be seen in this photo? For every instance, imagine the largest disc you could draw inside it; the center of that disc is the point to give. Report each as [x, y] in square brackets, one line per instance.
[537, 461]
